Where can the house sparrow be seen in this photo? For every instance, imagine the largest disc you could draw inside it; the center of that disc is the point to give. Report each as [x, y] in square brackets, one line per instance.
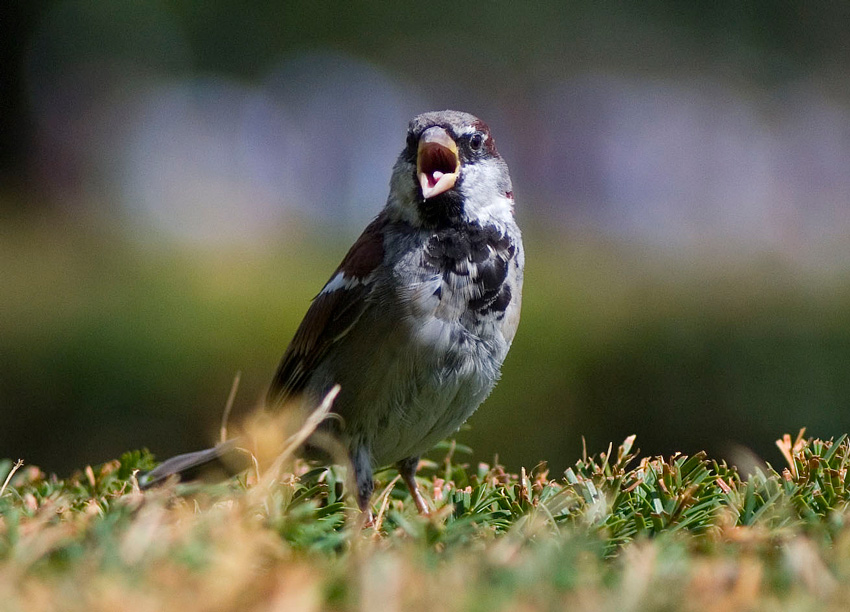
[416, 321]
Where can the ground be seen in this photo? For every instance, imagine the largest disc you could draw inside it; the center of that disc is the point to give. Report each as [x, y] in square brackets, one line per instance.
[615, 532]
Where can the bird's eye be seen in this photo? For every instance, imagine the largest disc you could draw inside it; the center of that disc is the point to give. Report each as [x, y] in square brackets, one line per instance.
[476, 141]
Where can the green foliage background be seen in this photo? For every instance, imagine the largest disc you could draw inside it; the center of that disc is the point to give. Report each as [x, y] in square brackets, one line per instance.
[112, 343]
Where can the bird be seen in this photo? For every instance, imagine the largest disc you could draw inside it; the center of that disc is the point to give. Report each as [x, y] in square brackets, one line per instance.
[416, 321]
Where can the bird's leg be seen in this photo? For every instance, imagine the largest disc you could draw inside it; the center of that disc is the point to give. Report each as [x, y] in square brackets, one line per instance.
[361, 461]
[407, 469]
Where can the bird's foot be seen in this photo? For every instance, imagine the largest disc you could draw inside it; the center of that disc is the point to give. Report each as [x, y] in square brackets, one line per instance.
[366, 519]
[419, 500]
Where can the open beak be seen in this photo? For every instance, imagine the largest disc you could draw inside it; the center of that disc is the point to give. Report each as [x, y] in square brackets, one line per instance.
[437, 163]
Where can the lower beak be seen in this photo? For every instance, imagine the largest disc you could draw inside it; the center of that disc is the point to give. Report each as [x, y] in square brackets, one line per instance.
[437, 162]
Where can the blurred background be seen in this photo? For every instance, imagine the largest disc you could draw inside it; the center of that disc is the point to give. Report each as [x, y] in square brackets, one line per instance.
[178, 178]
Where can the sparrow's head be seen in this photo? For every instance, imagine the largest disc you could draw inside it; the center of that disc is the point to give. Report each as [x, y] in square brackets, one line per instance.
[449, 172]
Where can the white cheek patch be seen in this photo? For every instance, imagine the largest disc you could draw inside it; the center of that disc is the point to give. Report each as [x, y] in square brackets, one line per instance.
[487, 204]
[340, 281]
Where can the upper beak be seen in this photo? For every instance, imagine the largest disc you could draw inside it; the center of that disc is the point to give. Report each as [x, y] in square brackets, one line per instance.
[437, 162]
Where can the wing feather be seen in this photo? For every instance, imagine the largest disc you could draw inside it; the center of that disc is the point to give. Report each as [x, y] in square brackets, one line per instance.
[332, 314]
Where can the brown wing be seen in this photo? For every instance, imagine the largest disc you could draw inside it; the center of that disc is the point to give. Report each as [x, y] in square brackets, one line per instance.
[331, 315]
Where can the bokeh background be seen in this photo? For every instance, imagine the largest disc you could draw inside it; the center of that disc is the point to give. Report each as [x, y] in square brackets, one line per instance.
[179, 177]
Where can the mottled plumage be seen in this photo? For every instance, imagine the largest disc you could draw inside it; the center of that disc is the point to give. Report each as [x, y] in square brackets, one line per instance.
[416, 321]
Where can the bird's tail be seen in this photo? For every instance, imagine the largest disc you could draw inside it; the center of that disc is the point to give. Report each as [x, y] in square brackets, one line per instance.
[227, 457]
[265, 436]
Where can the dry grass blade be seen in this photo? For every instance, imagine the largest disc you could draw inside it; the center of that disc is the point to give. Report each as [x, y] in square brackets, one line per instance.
[295, 441]
[789, 449]
[786, 448]
[385, 502]
[18, 464]
[228, 407]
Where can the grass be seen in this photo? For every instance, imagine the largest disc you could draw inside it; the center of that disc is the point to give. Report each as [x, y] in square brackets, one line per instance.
[616, 531]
